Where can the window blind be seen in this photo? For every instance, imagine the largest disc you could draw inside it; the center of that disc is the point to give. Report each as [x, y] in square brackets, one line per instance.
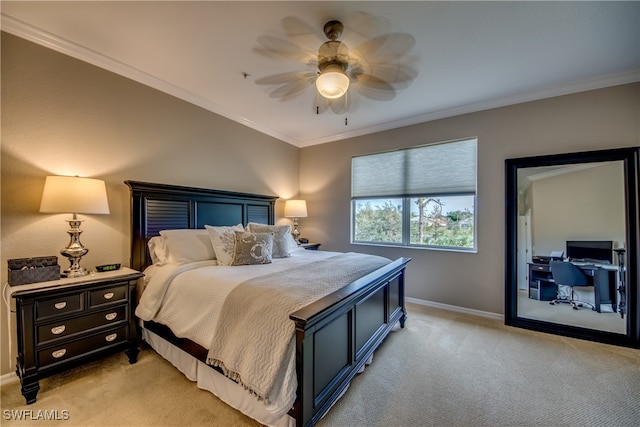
[446, 168]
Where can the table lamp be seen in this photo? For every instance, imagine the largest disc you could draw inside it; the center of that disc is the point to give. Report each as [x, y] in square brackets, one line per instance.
[295, 209]
[72, 194]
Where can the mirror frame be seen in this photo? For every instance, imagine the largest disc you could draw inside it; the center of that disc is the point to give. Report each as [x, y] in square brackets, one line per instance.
[630, 157]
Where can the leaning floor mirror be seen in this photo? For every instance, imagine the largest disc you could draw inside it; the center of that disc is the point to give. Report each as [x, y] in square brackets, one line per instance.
[572, 237]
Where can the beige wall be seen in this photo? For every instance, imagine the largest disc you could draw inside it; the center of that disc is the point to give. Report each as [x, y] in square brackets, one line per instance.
[61, 116]
[587, 204]
[591, 120]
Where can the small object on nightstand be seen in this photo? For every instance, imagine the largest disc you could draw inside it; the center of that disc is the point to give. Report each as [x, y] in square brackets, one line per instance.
[310, 246]
[107, 267]
[32, 270]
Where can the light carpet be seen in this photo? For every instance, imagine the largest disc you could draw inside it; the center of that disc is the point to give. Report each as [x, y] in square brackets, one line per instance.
[442, 369]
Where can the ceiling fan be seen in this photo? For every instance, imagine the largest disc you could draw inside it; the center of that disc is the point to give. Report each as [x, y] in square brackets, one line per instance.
[366, 63]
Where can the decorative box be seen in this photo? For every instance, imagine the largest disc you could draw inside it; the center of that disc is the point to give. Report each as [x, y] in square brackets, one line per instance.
[32, 270]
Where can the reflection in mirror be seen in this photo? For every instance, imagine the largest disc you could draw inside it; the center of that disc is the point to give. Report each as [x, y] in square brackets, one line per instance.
[572, 213]
[572, 244]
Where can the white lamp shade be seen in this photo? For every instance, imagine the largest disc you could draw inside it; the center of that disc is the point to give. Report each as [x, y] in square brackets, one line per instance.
[295, 209]
[333, 82]
[72, 194]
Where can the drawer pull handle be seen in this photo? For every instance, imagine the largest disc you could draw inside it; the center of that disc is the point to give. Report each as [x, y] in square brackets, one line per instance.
[111, 337]
[57, 330]
[108, 295]
[60, 305]
[59, 353]
[111, 316]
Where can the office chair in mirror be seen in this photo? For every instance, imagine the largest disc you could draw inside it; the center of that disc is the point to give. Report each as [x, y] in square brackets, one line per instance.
[567, 275]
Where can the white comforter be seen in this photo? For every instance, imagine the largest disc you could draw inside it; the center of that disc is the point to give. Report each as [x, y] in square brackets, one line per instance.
[194, 313]
[165, 301]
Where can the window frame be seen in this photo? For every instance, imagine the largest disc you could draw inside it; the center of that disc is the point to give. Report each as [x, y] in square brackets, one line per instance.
[406, 201]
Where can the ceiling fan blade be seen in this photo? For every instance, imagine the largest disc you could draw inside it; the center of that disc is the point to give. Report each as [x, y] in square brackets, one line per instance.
[302, 33]
[385, 48]
[288, 84]
[396, 74]
[374, 88]
[373, 82]
[279, 48]
[288, 90]
[376, 95]
[337, 106]
[341, 105]
[288, 77]
[320, 105]
[363, 26]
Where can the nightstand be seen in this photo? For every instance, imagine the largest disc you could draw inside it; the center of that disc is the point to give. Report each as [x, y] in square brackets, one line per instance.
[62, 323]
[310, 246]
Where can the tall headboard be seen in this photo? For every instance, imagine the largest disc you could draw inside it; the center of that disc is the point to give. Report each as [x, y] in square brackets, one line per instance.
[156, 207]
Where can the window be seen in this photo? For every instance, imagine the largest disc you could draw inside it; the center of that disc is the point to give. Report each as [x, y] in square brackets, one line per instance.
[420, 197]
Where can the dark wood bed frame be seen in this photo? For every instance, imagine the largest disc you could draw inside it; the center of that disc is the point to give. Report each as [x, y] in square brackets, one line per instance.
[335, 336]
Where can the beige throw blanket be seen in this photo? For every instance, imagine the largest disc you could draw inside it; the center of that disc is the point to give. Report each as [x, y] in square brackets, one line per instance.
[254, 342]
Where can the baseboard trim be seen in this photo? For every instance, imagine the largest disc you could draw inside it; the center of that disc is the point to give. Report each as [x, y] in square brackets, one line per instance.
[455, 308]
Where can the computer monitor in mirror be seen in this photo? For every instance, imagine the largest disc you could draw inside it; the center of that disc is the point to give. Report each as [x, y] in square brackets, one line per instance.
[596, 251]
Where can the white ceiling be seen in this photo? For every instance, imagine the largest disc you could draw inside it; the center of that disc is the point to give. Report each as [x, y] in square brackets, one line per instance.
[468, 56]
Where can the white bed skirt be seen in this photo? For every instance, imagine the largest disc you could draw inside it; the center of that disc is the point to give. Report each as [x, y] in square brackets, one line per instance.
[211, 380]
[225, 389]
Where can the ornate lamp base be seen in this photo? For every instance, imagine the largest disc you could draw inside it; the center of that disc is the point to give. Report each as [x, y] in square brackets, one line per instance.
[74, 250]
[295, 232]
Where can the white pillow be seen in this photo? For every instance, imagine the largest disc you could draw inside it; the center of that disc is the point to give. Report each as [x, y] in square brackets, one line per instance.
[293, 245]
[223, 241]
[281, 237]
[188, 245]
[158, 250]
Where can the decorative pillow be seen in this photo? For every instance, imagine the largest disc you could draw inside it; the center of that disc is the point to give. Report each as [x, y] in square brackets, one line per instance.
[252, 248]
[281, 237]
[223, 241]
[158, 250]
[188, 245]
[293, 245]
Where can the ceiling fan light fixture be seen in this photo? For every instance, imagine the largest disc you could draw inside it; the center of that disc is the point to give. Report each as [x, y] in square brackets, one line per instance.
[332, 83]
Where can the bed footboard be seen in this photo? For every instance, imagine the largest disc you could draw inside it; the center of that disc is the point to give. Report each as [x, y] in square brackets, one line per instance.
[336, 335]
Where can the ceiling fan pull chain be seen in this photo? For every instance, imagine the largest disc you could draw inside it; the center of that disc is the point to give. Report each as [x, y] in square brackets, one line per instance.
[346, 109]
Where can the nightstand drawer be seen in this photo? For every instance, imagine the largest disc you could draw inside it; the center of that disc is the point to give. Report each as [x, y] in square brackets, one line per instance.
[110, 295]
[60, 305]
[69, 350]
[63, 328]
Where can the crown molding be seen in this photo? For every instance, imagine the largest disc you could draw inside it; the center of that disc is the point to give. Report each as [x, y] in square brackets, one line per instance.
[51, 41]
[583, 86]
[553, 171]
